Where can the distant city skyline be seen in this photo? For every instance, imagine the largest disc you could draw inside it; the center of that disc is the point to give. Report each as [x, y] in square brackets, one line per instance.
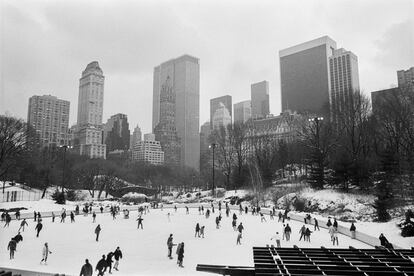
[51, 65]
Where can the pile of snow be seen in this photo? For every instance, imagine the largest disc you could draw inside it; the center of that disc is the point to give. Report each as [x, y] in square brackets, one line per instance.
[134, 197]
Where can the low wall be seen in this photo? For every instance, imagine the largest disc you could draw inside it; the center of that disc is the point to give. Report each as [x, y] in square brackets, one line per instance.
[29, 272]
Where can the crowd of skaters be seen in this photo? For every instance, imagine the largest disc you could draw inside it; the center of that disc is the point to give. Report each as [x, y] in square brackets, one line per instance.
[106, 262]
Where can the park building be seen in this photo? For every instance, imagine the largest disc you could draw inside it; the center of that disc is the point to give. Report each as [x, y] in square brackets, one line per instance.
[49, 117]
[149, 150]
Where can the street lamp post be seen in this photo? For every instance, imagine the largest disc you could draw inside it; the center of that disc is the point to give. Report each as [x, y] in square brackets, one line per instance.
[213, 146]
[65, 148]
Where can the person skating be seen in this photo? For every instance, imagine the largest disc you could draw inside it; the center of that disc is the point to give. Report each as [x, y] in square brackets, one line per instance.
[234, 216]
[329, 223]
[197, 230]
[240, 209]
[352, 229]
[234, 224]
[87, 269]
[283, 232]
[12, 248]
[288, 231]
[262, 217]
[307, 234]
[34, 216]
[202, 231]
[246, 210]
[93, 217]
[316, 224]
[335, 223]
[140, 219]
[53, 217]
[38, 228]
[271, 215]
[45, 253]
[18, 238]
[240, 228]
[202, 210]
[98, 231]
[302, 233]
[22, 224]
[217, 222]
[101, 209]
[280, 216]
[181, 255]
[175, 208]
[227, 211]
[39, 216]
[170, 245]
[277, 239]
[8, 219]
[17, 214]
[63, 216]
[384, 242]
[101, 266]
[109, 262]
[331, 231]
[117, 256]
[239, 236]
[335, 236]
[186, 210]
[72, 217]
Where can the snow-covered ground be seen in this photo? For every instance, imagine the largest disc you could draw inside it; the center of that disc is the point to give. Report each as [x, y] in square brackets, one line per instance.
[145, 251]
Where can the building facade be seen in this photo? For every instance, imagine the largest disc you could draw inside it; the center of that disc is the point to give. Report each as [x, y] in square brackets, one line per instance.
[260, 99]
[242, 112]
[304, 76]
[184, 75]
[49, 117]
[165, 131]
[149, 150]
[221, 117]
[406, 78]
[116, 133]
[215, 104]
[136, 136]
[344, 77]
[90, 110]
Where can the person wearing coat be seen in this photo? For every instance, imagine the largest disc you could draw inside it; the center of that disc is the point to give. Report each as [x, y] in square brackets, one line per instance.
[170, 245]
[240, 228]
[180, 253]
[109, 261]
[197, 230]
[352, 229]
[18, 238]
[117, 256]
[45, 253]
[101, 266]
[86, 269]
[38, 228]
[97, 231]
[22, 224]
[12, 247]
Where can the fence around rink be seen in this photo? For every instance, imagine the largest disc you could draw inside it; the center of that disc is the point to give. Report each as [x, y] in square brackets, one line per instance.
[11, 196]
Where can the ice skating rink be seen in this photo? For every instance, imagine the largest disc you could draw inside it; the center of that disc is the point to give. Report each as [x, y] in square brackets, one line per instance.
[145, 251]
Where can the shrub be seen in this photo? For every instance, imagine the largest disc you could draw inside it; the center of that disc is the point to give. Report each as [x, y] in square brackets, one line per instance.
[59, 197]
[299, 204]
[71, 195]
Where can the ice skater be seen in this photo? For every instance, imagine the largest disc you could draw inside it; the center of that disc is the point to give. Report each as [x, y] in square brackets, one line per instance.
[288, 231]
[93, 217]
[117, 256]
[101, 266]
[170, 245]
[109, 262]
[262, 217]
[180, 253]
[12, 248]
[239, 236]
[8, 219]
[335, 236]
[53, 217]
[22, 224]
[18, 238]
[72, 217]
[98, 231]
[307, 234]
[240, 228]
[197, 230]
[316, 225]
[277, 239]
[38, 228]
[45, 253]
[140, 219]
[302, 232]
[202, 231]
[87, 269]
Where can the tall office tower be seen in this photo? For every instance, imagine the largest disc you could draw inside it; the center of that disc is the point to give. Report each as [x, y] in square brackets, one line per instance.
[49, 117]
[116, 133]
[304, 76]
[260, 99]
[135, 137]
[165, 131]
[148, 150]
[343, 70]
[242, 112]
[215, 104]
[184, 74]
[406, 78]
[221, 117]
[205, 132]
[90, 109]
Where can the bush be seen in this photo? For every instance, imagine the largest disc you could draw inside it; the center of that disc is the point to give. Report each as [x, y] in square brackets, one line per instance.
[71, 195]
[299, 204]
[59, 197]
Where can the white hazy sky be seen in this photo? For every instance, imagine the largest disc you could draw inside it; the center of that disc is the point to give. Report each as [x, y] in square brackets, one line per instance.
[45, 45]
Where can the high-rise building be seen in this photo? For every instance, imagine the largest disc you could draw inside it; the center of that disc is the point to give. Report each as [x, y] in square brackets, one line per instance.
[184, 74]
[165, 131]
[406, 78]
[205, 132]
[221, 117]
[116, 133]
[215, 104]
[90, 110]
[135, 137]
[242, 111]
[149, 150]
[260, 99]
[343, 70]
[49, 117]
[304, 76]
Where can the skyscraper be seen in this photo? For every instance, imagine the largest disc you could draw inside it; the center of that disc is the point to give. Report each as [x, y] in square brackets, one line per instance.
[215, 104]
[148, 150]
[260, 99]
[205, 132]
[184, 74]
[165, 131]
[406, 78]
[304, 76]
[135, 137]
[242, 111]
[116, 133]
[343, 70]
[90, 108]
[221, 117]
[49, 117]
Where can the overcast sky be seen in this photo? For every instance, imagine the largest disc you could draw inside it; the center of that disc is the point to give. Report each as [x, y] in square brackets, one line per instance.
[45, 45]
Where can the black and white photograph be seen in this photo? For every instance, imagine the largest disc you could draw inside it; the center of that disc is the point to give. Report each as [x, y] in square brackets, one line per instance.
[206, 137]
